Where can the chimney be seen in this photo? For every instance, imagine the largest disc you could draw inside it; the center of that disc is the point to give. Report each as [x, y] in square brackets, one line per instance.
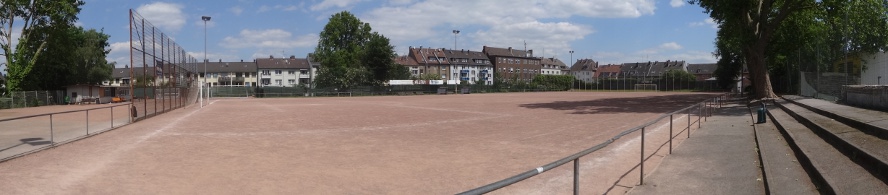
[271, 56]
[530, 53]
[220, 60]
[292, 57]
[242, 60]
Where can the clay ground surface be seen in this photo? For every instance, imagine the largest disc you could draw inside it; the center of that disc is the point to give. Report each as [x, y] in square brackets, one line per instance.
[431, 144]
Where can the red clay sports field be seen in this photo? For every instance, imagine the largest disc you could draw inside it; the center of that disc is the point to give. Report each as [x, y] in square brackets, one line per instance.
[430, 144]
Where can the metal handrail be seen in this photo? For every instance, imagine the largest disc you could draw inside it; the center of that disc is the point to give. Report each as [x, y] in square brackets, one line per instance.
[575, 157]
[63, 112]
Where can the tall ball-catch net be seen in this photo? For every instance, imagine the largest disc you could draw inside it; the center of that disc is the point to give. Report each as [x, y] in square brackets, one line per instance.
[162, 74]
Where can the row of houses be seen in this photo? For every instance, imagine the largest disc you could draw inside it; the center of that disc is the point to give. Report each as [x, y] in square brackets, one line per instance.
[271, 71]
[479, 66]
[466, 65]
[588, 70]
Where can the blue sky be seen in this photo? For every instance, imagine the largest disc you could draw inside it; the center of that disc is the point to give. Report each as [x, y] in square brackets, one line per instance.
[609, 31]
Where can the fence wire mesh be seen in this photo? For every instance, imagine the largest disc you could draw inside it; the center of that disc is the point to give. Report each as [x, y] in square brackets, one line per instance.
[25, 99]
[163, 74]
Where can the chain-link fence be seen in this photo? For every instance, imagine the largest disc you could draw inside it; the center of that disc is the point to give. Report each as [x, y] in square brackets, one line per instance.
[24, 99]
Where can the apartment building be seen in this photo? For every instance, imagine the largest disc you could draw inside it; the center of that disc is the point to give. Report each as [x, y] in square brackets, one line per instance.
[283, 72]
[651, 70]
[469, 66]
[513, 64]
[584, 70]
[231, 73]
[411, 65]
[553, 66]
[610, 71]
[702, 71]
[432, 61]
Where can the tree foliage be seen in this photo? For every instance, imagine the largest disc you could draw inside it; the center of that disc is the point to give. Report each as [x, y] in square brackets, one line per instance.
[350, 55]
[679, 75]
[76, 56]
[379, 59]
[556, 82]
[35, 21]
[761, 34]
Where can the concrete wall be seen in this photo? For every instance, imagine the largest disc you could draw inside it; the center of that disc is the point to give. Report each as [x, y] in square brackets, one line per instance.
[876, 65]
[866, 96]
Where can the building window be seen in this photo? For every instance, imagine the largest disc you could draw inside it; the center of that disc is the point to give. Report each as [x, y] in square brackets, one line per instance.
[278, 82]
[266, 72]
[415, 71]
[303, 72]
[278, 72]
[292, 72]
[291, 81]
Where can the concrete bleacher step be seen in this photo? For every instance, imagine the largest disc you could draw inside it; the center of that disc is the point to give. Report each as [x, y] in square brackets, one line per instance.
[869, 151]
[868, 121]
[782, 171]
[819, 142]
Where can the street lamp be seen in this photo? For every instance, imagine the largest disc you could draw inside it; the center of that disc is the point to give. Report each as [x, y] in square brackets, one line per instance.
[571, 67]
[205, 19]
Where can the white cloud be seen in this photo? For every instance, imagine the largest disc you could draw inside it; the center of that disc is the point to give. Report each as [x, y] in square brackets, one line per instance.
[119, 53]
[288, 7]
[545, 38]
[270, 38]
[236, 10]
[167, 16]
[263, 8]
[707, 21]
[400, 2]
[676, 3]
[333, 3]
[670, 46]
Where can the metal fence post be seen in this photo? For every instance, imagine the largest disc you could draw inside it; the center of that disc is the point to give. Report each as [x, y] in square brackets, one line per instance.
[641, 164]
[689, 122]
[576, 176]
[51, 133]
[699, 114]
[87, 122]
[112, 117]
[670, 133]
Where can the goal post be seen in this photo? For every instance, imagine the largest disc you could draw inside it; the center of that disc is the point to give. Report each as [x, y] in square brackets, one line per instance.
[646, 87]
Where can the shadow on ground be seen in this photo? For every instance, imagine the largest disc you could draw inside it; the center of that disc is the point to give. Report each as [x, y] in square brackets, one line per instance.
[649, 104]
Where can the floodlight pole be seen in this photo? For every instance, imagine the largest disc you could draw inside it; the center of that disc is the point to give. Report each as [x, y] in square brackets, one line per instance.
[571, 67]
[456, 87]
[205, 19]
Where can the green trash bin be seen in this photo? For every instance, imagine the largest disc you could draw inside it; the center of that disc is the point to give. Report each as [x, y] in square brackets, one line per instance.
[761, 114]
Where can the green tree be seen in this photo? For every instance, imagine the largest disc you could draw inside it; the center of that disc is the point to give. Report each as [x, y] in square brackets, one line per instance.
[556, 82]
[378, 57]
[399, 72]
[38, 19]
[758, 33]
[679, 75]
[75, 57]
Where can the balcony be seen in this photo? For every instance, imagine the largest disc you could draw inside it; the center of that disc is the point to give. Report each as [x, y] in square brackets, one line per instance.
[264, 75]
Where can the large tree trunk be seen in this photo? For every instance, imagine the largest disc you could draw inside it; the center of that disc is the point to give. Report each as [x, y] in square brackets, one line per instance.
[761, 81]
